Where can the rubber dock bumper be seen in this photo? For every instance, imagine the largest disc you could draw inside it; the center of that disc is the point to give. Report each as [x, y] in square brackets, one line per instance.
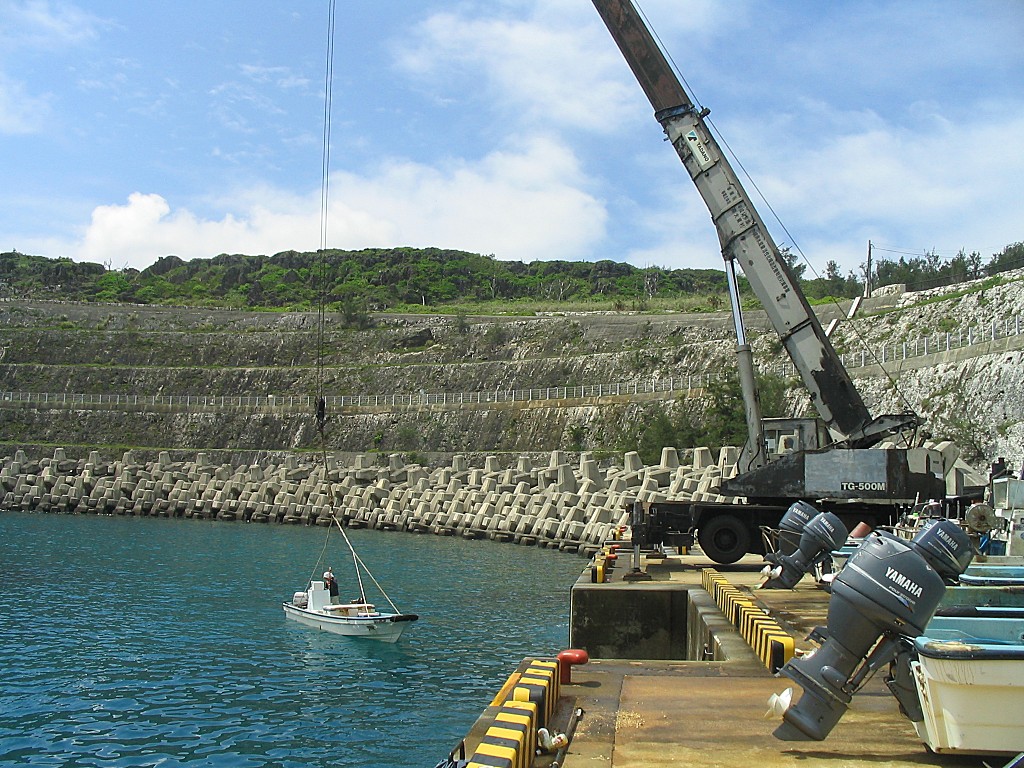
[524, 704]
[772, 644]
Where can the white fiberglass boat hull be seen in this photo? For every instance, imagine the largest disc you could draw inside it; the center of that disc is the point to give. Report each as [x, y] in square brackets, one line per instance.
[385, 627]
[969, 674]
[316, 607]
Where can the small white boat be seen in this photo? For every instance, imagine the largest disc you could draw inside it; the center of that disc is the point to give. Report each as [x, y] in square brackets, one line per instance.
[356, 619]
[359, 618]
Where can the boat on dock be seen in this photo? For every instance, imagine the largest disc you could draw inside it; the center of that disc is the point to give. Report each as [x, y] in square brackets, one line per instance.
[969, 673]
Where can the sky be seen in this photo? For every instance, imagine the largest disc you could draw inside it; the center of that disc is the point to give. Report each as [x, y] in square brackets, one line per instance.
[131, 131]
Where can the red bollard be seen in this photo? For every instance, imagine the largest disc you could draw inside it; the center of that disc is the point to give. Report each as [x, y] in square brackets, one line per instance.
[567, 659]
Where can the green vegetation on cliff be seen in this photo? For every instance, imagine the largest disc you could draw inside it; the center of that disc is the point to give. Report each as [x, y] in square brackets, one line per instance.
[407, 279]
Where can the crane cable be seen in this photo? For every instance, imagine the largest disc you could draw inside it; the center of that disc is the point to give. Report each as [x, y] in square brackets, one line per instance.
[321, 271]
[321, 323]
[320, 277]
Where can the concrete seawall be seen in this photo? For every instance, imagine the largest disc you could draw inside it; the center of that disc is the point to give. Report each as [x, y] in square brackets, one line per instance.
[565, 506]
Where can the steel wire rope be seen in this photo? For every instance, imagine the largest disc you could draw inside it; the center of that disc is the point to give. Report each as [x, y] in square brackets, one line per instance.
[325, 183]
[322, 275]
[724, 142]
[321, 271]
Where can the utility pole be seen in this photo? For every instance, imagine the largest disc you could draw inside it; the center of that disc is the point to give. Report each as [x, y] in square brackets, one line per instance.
[867, 275]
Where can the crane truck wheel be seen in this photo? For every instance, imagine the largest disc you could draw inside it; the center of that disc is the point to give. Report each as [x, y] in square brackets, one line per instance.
[724, 538]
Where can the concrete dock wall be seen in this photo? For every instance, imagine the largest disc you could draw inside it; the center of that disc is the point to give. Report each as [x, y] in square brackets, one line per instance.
[571, 507]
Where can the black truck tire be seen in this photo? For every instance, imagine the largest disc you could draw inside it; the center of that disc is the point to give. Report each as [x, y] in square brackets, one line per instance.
[724, 538]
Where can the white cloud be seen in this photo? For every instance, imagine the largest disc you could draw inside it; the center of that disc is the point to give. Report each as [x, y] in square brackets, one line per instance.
[546, 62]
[520, 205]
[942, 184]
[20, 112]
[531, 72]
[40, 24]
[35, 26]
[139, 232]
[282, 77]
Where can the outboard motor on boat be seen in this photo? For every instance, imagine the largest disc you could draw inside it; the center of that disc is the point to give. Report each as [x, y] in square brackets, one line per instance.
[946, 547]
[888, 591]
[805, 537]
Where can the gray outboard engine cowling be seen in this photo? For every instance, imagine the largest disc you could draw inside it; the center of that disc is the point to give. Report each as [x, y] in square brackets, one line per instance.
[946, 548]
[886, 591]
[818, 536]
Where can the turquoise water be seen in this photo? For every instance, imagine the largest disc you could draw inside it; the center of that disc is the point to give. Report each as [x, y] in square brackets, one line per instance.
[145, 642]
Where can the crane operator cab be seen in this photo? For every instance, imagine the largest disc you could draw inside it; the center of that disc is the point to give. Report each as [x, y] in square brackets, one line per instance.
[783, 436]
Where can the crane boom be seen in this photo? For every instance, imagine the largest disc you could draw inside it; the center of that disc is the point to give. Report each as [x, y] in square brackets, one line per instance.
[743, 237]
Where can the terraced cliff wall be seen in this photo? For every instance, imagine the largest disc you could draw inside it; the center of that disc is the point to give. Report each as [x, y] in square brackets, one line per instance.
[73, 349]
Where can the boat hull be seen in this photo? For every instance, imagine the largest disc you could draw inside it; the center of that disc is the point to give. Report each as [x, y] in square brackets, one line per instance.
[386, 628]
[969, 675]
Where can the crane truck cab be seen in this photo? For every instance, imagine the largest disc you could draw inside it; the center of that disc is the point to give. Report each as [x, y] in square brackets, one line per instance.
[785, 436]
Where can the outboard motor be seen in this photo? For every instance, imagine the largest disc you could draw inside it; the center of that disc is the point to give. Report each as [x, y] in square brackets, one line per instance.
[946, 547]
[791, 527]
[888, 591]
[946, 552]
[819, 533]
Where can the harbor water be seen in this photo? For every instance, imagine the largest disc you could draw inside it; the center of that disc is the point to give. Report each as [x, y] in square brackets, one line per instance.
[160, 642]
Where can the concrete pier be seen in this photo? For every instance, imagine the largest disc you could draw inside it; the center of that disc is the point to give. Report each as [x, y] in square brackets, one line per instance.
[673, 679]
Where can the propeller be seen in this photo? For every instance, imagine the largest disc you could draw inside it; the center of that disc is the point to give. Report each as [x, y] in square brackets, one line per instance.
[778, 703]
[770, 572]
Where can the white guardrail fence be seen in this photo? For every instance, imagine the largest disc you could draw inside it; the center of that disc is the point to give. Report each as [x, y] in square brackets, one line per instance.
[927, 345]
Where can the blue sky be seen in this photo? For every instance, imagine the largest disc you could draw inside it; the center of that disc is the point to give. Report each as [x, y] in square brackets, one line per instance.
[129, 131]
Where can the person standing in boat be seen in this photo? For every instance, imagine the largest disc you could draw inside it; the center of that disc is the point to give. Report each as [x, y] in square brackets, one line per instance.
[332, 585]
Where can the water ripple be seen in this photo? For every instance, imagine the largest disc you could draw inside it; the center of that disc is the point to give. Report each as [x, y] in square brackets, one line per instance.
[144, 642]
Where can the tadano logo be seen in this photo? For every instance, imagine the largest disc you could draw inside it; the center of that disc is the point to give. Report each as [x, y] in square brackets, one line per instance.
[698, 148]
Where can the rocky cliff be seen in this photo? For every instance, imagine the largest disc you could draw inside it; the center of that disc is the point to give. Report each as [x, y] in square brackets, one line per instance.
[968, 384]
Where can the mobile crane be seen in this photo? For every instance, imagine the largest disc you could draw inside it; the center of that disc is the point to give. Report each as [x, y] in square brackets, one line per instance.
[836, 462]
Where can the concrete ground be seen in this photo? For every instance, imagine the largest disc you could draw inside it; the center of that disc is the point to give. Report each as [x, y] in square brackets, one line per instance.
[662, 713]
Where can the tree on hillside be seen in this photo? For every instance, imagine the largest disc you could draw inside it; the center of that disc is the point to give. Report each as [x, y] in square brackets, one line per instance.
[1011, 257]
[722, 423]
[392, 277]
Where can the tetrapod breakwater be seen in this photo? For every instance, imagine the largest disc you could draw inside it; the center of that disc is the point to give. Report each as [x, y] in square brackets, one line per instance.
[569, 506]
